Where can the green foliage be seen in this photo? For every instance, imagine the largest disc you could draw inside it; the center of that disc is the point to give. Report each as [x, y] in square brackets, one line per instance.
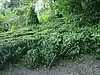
[89, 9]
[44, 16]
[31, 17]
[92, 11]
[48, 42]
[19, 16]
[60, 41]
[14, 18]
[21, 11]
[3, 19]
[74, 6]
[54, 38]
[1, 28]
[12, 3]
[8, 51]
[27, 2]
[32, 59]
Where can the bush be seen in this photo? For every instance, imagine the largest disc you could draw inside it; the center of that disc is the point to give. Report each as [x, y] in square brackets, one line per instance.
[3, 20]
[11, 50]
[44, 16]
[31, 17]
[32, 59]
[51, 41]
[69, 44]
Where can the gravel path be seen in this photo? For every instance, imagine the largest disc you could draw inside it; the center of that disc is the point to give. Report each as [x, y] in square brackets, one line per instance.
[87, 67]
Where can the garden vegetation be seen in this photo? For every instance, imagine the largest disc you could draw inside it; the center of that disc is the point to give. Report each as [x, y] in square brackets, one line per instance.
[61, 29]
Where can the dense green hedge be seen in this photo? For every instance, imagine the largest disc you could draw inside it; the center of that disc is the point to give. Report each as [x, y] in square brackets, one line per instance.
[51, 41]
[52, 47]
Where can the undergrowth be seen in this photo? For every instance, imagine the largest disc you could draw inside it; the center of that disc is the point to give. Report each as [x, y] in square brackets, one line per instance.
[49, 41]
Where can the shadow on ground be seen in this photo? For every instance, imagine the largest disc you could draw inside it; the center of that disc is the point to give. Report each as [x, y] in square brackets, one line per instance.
[65, 67]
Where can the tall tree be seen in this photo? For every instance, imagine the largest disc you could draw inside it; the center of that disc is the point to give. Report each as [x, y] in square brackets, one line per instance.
[32, 17]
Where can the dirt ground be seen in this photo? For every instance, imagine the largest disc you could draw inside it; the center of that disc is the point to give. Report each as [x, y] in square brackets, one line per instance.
[65, 67]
